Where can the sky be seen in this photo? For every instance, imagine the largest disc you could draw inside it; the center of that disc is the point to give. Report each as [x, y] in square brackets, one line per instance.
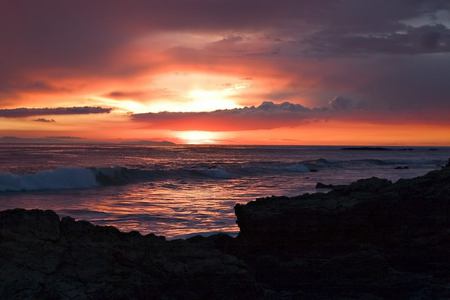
[322, 72]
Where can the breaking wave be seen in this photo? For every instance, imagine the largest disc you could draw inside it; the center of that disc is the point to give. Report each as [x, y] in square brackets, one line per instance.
[82, 178]
[63, 178]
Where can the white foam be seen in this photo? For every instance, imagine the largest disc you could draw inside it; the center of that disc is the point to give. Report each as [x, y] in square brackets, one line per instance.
[61, 178]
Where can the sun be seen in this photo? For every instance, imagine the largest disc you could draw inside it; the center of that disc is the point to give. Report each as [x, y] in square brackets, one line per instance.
[209, 100]
[198, 137]
[176, 92]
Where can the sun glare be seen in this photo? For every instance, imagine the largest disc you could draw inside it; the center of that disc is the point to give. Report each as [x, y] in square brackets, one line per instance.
[198, 137]
[126, 105]
[209, 100]
[196, 100]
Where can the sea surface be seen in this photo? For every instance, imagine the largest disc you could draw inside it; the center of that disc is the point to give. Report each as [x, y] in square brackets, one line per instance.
[178, 191]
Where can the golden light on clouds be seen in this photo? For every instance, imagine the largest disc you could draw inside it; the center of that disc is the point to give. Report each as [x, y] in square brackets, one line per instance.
[127, 106]
[180, 67]
[189, 92]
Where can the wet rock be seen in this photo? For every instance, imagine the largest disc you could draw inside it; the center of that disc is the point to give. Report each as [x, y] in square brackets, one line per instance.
[370, 239]
[33, 224]
[324, 186]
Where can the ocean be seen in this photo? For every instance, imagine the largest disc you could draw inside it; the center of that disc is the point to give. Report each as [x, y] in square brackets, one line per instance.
[178, 191]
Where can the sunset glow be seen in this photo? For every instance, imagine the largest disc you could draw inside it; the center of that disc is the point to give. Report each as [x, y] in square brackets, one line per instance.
[224, 149]
[217, 71]
[198, 137]
[203, 100]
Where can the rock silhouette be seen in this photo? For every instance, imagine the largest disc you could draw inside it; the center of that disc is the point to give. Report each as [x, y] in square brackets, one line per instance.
[370, 238]
[43, 257]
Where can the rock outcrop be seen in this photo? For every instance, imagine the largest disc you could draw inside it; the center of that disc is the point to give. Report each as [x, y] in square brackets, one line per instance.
[372, 239]
[43, 257]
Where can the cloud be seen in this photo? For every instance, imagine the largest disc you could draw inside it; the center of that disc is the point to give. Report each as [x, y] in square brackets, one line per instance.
[9, 88]
[143, 95]
[407, 40]
[372, 50]
[340, 103]
[29, 112]
[52, 36]
[268, 115]
[126, 95]
[43, 120]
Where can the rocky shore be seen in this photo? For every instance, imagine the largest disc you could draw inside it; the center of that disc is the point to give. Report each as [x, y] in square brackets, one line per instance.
[372, 239]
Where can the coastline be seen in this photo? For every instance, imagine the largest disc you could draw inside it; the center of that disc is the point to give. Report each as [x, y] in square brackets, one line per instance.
[372, 239]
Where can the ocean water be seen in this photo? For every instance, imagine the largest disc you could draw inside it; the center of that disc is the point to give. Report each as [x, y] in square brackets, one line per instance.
[178, 191]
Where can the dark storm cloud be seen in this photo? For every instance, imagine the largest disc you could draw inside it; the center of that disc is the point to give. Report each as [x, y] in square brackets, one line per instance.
[87, 34]
[381, 82]
[29, 112]
[340, 103]
[407, 83]
[410, 40]
[90, 38]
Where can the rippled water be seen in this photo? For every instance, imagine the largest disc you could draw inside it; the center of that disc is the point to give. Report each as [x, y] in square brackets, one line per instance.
[180, 190]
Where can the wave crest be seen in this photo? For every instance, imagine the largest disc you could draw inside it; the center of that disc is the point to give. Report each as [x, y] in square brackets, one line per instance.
[81, 178]
[61, 178]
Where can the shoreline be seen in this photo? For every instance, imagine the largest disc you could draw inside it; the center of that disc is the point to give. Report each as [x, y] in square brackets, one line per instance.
[369, 239]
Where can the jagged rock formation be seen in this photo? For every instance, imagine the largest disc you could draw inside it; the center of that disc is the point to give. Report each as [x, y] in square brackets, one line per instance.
[43, 257]
[372, 239]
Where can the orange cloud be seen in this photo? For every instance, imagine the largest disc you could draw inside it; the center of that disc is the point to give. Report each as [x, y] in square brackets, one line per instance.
[209, 60]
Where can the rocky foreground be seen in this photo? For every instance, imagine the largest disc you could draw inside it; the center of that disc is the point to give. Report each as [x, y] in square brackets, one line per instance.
[372, 239]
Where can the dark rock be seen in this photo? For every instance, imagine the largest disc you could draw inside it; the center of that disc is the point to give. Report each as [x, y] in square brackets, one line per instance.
[33, 224]
[370, 239]
[42, 257]
[321, 185]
